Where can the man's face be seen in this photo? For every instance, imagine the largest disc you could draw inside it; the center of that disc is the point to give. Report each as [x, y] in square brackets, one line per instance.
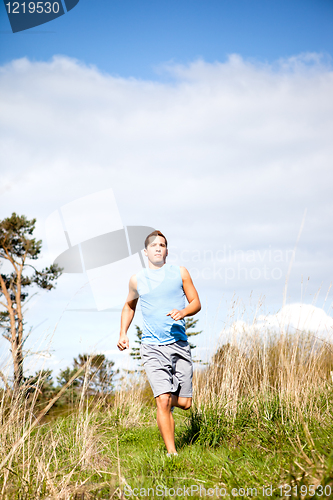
[156, 251]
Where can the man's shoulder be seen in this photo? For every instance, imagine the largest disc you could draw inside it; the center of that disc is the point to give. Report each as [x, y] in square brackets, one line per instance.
[184, 272]
[133, 282]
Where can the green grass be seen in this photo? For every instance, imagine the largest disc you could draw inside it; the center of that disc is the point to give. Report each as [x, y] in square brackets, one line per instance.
[262, 418]
[249, 451]
[258, 447]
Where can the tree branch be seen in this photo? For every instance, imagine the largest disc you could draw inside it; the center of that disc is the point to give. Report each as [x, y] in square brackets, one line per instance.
[29, 265]
[5, 292]
[10, 258]
[26, 302]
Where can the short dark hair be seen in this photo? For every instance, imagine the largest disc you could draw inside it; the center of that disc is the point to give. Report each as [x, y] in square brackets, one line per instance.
[155, 233]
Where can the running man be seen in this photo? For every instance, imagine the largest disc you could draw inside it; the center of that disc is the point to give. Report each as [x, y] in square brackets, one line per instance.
[165, 352]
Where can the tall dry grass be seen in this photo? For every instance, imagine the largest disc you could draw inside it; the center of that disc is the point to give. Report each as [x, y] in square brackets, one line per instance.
[57, 461]
[61, 460]
[255, 365]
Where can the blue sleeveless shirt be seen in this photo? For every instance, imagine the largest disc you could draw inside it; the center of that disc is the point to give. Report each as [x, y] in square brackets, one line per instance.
[160, 291]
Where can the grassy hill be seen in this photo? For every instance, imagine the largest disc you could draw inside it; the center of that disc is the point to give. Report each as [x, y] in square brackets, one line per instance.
[261, 425]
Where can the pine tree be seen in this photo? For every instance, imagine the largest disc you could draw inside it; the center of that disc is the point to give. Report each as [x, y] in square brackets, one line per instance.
[135, 351]
[99, 373]
[189, 324]
[18, 249]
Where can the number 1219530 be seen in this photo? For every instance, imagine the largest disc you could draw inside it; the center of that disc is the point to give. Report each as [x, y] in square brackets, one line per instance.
[311, 490]
[31, 7]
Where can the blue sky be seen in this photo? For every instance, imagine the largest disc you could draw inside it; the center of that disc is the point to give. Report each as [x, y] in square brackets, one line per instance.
[209, 120]
[132, 38]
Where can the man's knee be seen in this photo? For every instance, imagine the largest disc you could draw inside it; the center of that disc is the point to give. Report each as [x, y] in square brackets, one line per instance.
[163, 401]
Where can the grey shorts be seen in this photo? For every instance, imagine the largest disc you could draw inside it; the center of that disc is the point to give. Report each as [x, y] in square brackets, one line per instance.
[169, 368]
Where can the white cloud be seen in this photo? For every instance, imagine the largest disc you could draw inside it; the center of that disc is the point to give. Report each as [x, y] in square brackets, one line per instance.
[235, 142]
[292, 318]
[225, 154]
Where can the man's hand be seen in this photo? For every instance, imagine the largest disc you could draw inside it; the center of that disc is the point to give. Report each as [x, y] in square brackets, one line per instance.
[123, 342]
[176, 315]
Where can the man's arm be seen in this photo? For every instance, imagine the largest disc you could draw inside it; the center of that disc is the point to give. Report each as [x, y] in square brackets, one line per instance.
[192, 296]
[127, 314]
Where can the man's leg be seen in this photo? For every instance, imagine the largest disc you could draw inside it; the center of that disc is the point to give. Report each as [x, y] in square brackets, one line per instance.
[183, 371]
[180, 402]
[161, 366]
[165, 421]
